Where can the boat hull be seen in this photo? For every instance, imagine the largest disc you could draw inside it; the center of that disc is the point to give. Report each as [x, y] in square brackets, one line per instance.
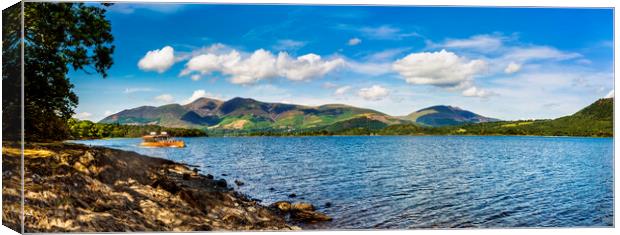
[171, 144]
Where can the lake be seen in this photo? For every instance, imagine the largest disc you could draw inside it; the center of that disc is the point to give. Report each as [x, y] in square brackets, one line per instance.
[415, 181]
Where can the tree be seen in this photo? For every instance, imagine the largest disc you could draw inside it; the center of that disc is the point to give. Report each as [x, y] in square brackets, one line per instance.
[11, 73]
[58, 37]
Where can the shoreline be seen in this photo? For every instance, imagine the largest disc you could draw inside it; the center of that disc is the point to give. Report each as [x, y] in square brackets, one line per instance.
[72, 187]
[74, 141]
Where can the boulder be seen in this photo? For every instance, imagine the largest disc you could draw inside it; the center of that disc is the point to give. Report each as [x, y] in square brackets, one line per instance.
[302, 206]
[282, 206]
[239, 183]
[166, 184]
[86, 158]
[81, 168]
[292, 195]
[221, 183]
[309, 216]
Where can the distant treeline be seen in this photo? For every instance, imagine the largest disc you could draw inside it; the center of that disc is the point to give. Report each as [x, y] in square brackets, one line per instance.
[525, 128]
[84, 129]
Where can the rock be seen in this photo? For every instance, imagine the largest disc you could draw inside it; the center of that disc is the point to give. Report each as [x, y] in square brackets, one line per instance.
[81, 203]
[203, 227]
[81, 168]
[328, 204]
[166, 184]
[195, 199]
[239, 183]
[86, 158]
[272, 189]
[309, 216]
[292, 195]
[100, 206]
[186, 176]
[302, 206]
[209, 176]
[94, 169]
[224, 174]
[36, 179]
[282, 206]
[221, 183]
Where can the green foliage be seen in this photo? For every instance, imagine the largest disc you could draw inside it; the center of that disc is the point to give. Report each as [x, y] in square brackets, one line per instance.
[85, 129]
[11, 73]
[58, 37]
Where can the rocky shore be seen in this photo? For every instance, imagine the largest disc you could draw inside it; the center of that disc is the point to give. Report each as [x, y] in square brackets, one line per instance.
[76, 188]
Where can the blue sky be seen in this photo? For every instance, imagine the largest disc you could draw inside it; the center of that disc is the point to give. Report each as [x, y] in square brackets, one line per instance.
[507, 63]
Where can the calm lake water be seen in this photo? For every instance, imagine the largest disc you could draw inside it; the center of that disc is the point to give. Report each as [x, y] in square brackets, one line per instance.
[415, 182]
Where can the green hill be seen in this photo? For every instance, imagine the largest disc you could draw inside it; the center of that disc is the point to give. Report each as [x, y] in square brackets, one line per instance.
[442, 115]
[594, 120]
[244, 115]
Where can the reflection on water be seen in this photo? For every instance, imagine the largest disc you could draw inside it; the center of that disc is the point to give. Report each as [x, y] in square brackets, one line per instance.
[416, 182]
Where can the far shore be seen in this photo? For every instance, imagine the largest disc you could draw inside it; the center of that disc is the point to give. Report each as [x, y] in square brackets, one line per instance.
[306, 136]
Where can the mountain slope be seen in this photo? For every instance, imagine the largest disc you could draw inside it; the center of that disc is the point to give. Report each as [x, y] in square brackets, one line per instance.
[593, 120]
[167, 115]
[245, 114]
[442, 115]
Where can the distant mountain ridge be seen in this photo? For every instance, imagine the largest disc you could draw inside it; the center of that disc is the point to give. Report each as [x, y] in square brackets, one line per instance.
[249, 114]
[442, 115]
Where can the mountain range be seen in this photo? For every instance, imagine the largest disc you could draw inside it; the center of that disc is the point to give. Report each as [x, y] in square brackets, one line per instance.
[249, 114]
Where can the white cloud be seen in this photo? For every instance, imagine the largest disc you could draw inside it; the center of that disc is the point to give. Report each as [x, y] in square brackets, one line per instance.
[196, 95]
[478, 42]
[354, 41]
[370, 68]
[288, 44]
[260, 65]
[195, 77]
[373, 93]
[164, 98]
[442, 69]
[305, 67]
[385, 55]
[157, 60]
[386, 32]
[512, 68]
[215, 48]
[329, 85]
[610, 94]
[83, 115]
[342, 90]
[522, 54]
[476, 92]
